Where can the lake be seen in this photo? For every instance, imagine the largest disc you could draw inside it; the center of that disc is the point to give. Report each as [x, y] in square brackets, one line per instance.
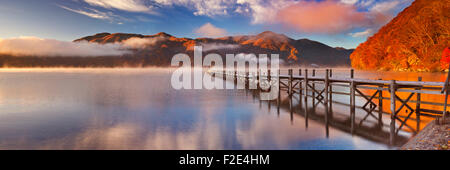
[65, 108]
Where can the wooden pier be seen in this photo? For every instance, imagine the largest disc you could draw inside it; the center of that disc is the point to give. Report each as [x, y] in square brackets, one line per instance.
[372, 92]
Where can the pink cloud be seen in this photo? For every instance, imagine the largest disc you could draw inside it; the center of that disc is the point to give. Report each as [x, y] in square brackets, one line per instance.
[327, 17]
[209, 30]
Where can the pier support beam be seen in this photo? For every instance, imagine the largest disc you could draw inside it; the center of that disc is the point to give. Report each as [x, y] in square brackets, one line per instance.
[306, 98]
[290, 83]
[291, 94]
[235, 77]
[306, 88]
[300, 90]
[392, 88]
[326, 88]
[314, 89]
[380, 106]
[327, 131]
[331, 93]
[418, 107]
[352, 106]
[352, 73]
[247, 82]
[279, 92]
[257, 80]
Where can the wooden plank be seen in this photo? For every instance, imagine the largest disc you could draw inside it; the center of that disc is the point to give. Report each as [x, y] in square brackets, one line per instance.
[430, 111]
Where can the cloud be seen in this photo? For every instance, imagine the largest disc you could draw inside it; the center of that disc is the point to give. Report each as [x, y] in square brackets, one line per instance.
[93, 13]
[209, 30]
[137, 42]
[387, 7]
[329, 17]
[350, 2]
[365, 3]
[33, 46]
[125, 5]
[209, 8]
[310, 16]
[262, 12]
[364, 33]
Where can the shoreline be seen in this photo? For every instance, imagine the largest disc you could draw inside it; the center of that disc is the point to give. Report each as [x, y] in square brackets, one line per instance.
[433, 137]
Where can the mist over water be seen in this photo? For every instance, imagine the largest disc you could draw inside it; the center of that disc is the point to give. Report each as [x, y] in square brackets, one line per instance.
[138, 109]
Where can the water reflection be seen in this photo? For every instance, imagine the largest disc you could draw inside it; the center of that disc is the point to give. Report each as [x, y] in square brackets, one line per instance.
[138, 109]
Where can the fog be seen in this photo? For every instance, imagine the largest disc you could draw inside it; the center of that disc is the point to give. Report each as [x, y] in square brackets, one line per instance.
[34, 46]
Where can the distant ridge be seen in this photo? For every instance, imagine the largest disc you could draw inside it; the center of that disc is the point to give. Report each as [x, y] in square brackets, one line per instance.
[158, 50]
[300, 52]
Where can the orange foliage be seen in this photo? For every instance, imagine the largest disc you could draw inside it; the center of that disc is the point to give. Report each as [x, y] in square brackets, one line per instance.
[445, 60]
[293, 54]
[413, 41]
[189, 45]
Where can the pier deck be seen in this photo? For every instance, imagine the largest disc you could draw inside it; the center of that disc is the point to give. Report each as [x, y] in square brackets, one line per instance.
[373, 92]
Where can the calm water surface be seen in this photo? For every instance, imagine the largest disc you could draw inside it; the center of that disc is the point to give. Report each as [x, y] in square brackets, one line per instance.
[138, 109]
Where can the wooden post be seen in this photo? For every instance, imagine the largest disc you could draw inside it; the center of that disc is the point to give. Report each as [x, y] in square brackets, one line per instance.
[418, 107]
[247, 82]
[326, 102]
[306, 88]
[331, 92]
[445, 106]
[314, 88]
[306, 98]
[352, 101]
[258, 79]
[326, 88]
[352, 106]
[352, 73]
[380, 105]
[235, 77]
[445, 90]
[279, 93]
[392, 88]
[300, 86]
[269, 78]
[290, 83]
[223, 74]
[290, 91]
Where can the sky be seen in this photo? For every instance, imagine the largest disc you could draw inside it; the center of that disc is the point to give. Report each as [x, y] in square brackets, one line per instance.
[337, 23]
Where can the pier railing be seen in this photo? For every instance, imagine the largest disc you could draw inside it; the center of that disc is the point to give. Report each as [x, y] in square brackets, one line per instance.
[319, 89]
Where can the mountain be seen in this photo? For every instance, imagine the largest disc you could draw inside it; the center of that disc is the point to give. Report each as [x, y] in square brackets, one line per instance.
[412, 41]
[301, 52]
[158, 50]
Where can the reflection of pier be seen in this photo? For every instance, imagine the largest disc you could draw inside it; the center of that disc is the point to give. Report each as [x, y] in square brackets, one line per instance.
[320, 91]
